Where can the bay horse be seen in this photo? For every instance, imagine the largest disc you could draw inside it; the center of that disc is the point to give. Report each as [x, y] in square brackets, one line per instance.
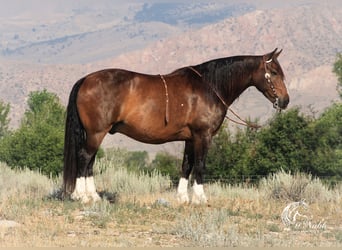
[188, 105]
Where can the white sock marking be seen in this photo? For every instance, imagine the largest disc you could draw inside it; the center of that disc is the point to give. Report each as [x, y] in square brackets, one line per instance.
[182, 191]
[80, 190]
[198, 195]
[91, 189]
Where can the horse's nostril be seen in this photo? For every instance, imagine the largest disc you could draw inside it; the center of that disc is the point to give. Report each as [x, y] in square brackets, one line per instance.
[283, 102]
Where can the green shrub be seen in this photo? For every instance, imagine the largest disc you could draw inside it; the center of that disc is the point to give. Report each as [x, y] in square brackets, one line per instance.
[38, 143]
[167, 165]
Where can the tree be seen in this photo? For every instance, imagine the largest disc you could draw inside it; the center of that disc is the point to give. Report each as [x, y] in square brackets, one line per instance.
[285, 144]
[226, 159]
[327, 132]
[38, 143]
[44, 108]
[4, 120]
[338, 71]
[292, 142]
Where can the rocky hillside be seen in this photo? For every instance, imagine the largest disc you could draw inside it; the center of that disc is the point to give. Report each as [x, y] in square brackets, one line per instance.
[310, 35]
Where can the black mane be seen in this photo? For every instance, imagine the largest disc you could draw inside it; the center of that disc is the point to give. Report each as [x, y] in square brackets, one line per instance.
[224, 74]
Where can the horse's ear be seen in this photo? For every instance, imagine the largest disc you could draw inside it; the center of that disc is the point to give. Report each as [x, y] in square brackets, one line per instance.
[278, 53]
[268, 57]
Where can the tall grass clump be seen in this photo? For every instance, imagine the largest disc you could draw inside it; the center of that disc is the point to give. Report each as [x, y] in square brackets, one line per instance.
[115, 177]
[231, 191]
[296, 187]
[207, 229]
[23, 183]
[22, 191]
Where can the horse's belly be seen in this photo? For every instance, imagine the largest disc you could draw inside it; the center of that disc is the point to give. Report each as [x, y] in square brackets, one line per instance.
[155, 135]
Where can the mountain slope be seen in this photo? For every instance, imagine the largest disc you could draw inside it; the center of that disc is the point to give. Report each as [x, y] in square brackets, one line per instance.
[310, 35]
[104, 30]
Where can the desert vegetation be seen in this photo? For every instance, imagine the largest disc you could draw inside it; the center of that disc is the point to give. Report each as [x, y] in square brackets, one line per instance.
[141, 210]
[139, 207]
[292, 141]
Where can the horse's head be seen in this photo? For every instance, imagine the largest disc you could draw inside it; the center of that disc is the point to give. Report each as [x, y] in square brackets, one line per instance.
[269, 79]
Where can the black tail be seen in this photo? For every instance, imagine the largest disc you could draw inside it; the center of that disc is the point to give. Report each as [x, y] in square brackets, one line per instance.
[73, 141]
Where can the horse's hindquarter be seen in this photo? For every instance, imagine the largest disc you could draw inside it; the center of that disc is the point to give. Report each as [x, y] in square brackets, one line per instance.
[99, 98]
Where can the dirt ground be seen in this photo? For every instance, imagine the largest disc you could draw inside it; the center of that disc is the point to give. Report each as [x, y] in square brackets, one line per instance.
[145, 222]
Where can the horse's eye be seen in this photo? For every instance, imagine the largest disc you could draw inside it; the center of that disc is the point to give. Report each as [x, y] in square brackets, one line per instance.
[274, 72]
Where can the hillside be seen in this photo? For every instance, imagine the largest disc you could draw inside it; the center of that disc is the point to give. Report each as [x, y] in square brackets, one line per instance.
[310, 35]
[65, 30]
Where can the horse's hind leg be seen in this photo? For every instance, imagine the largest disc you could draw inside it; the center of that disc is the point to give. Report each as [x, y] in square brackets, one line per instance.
[188, 162]
[85, 189]
[80, 192]
[89, 181]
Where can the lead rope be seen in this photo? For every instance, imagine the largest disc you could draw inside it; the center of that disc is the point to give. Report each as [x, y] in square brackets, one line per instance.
[166, 100]
[242, 121]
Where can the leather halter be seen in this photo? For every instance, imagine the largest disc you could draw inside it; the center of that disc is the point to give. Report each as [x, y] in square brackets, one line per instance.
[269, 81]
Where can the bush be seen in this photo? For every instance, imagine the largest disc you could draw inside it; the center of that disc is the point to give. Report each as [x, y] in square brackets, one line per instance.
[115, 177]
[282, 145]
[227, 159]
[167, 165]
[4, 121]
[338, 71]
[327, 134]
[23, 183]
[206, 229]
[136, 160]
[292, 142]
[299, 186]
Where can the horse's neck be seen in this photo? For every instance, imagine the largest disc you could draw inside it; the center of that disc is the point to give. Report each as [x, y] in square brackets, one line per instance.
[231, 88]
[229, 76]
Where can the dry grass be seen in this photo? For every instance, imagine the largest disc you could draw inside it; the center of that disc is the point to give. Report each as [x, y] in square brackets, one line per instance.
[235, 216]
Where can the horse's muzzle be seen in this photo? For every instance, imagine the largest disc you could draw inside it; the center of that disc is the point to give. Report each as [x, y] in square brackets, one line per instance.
[281, 102]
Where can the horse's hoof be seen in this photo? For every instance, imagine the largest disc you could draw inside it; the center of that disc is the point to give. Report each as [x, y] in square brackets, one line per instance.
[95, 197]
[81, 198]
[183, 198]
[198, 200]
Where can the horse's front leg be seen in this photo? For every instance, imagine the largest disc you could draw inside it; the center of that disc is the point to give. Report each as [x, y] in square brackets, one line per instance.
[201, 147]
[188, 162]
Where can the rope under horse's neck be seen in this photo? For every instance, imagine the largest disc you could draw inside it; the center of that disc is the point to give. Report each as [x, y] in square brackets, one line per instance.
[242, 121]
[166, 100]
